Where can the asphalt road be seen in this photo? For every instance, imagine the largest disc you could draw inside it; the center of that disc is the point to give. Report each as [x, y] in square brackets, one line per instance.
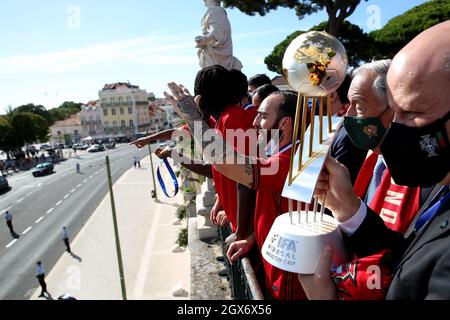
[42, 206]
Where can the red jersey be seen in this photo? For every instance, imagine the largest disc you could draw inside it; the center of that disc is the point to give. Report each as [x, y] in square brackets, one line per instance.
[232, 118]
[397, 205]
[281, 285]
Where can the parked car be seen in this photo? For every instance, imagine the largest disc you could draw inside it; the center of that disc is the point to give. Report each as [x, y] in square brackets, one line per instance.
[43, 169]
[96, 148]
[3, 184]
[79, 146]
[45, 146]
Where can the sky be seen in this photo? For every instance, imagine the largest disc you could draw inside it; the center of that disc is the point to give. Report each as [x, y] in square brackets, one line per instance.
[53, 51]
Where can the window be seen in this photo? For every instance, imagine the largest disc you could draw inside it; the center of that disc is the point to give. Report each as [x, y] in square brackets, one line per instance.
[103, 101]
[131, 123]
[129, 102]
[105, 112]
[121, 111]
[113, 111]
[130, 110]
[122, 123]
[112, 101]
[106, 124]
[120, 100]
[114, 124]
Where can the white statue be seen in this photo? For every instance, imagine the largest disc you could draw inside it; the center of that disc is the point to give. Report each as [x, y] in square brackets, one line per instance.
[215, 45]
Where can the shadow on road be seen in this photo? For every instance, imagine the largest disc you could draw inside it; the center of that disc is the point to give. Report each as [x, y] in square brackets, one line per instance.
[76, 257]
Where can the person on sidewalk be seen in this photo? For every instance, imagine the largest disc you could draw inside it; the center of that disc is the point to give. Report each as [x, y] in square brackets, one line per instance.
[8, 218]
[66, 239]
[78, 168]
[40, 274]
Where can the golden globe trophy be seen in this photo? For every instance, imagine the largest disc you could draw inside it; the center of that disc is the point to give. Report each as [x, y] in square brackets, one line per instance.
[315, 65]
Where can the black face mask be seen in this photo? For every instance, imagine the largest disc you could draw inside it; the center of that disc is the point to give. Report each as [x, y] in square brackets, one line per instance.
[417, 156]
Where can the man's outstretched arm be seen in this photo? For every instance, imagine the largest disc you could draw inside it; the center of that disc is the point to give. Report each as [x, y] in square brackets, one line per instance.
[242, 170]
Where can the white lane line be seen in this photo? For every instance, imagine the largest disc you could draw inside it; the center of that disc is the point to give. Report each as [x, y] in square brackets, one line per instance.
[50, 210]
[85, 181]
[79, 186]
[26, 230]
[66, 196]
[40, 184]
[72, 191]
[90, 177]
[11, 243]
[6, 209]
[58, 203]
[20, 200]
[39, 220]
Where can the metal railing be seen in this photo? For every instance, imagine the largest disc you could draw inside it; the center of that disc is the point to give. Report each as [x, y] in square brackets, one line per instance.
[243, 282]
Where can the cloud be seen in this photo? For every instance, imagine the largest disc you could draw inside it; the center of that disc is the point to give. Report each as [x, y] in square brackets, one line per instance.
[156, 48]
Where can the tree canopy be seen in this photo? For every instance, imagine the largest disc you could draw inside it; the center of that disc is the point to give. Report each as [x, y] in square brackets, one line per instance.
[337, 10]
[403, 28]
[355, 41]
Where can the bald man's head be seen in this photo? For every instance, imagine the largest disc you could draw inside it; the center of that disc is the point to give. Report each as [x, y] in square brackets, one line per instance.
[416, 147]
[419, 78]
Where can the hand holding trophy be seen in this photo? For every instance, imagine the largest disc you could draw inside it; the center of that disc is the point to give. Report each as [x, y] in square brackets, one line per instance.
[315, 64]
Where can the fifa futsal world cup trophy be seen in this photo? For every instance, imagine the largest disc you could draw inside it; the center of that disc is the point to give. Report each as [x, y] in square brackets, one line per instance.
[315, 65]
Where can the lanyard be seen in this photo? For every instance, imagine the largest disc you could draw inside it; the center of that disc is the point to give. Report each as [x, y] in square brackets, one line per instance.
[431, 212]
[161, 181]
[285, 148]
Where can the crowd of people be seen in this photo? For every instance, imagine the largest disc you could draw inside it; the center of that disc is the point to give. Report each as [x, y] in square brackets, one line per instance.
[386, 180]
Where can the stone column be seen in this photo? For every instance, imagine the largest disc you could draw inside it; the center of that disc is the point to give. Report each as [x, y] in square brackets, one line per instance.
[205, 202]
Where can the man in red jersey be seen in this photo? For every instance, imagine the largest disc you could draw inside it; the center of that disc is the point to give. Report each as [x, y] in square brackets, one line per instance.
[265, 175]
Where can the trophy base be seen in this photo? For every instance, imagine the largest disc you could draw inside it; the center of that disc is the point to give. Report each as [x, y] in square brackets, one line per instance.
[296, 245]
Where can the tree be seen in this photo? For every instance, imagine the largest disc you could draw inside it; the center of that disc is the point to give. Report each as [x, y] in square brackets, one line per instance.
[337, 10]
[356, 42]
[28, 128]
[64, 111]
[403, 28]
[5, 131]
[32, 108]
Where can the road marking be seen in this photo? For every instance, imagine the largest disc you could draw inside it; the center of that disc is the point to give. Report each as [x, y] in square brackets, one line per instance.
[85, 181]
[20, 200]
[66, 196]
[11, 243]
[28, 229]
[90, 177]
[39, 220]
[79, 186]
[72, 191]
[58, 203]
[50, 210]
[7, 209]
[40, 184]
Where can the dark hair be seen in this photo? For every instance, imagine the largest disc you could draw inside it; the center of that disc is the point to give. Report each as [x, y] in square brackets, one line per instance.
[239, 85]
[265, 90]
[259, 80]
[288, 106]
[213, 84]
[342, 91]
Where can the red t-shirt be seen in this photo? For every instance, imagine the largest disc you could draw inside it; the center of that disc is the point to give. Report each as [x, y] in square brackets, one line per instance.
[281, 285]
[232, 118]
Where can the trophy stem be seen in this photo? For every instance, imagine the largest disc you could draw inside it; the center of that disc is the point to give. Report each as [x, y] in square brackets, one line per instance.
[290, 209]
[299, 211]
[307, 211]
[322, 208]
[302, 133]
[321, 120]
[330, 126]
[316, 201]
[294, 137]
[311, 131]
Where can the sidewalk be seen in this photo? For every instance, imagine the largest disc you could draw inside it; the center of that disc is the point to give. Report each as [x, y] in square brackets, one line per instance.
[147, 235]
